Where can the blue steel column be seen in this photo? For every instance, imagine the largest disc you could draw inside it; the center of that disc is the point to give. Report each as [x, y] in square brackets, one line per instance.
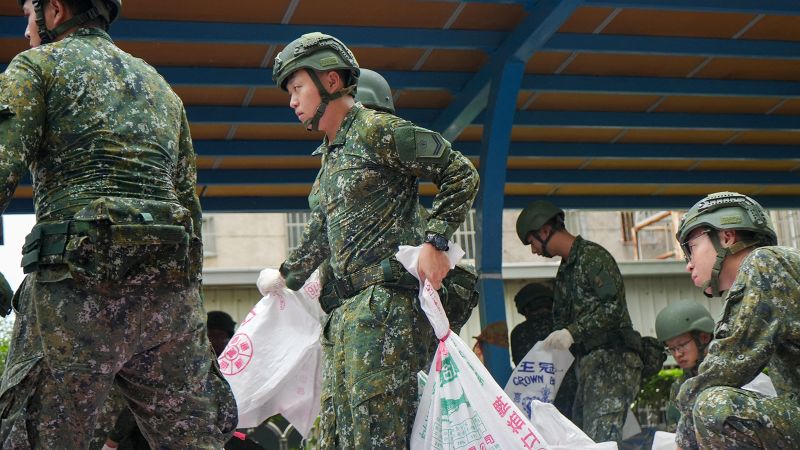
[489, 205]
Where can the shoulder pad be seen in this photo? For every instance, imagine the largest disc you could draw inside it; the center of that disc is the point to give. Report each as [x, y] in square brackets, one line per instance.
[418, 144]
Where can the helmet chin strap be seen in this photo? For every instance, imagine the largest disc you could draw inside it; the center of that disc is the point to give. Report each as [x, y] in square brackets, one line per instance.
[722, 252]
[312, 124]
[544, 242]
[48, 36]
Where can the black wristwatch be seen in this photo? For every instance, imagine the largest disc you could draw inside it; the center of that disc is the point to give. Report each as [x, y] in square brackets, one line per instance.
[438, 241]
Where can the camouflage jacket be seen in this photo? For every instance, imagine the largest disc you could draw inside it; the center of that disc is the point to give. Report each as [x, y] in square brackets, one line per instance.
[368, 194]
[89, 120]
[525, 335]
[589, 296]
[760, 327]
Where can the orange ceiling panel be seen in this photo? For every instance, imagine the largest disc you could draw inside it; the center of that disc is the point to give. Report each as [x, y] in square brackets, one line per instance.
[211, 96]
[778, 28]
[494, 17]
[277, 132]
[528, 189]
[24, 192]
[254, 11]
[258, 162]
[705, 189]
[715, 104]
[200, 54]
[675, 136]
[458, 60]
[563, 134]
[769, 137]
[652, 22]
[206, 162]
[751, 69]
[749, 165]
[632, 65]
[789, 107]
[639, 164]
[607, 189]
[10, 47]
[269, 97]
[388, 58]
[780, 190]
[546, 62]
[545, 163]
[11, 9]
[374, 13]
[258, 190]
[585, 19]
[592, 102]
[418, 98]
[206, 131]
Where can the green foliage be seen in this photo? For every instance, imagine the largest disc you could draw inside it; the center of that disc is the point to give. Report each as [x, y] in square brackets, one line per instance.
[655, 392]
[6, 325]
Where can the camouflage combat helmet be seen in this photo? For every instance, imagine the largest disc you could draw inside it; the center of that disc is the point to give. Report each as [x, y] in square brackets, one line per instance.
[533, 217]
[316, 52]
[533, 296]
[726, 211]
[682, 317]
[374, 91]
[106, 9]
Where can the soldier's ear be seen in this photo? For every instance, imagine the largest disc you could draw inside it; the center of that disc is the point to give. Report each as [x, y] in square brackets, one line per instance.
[727, 237]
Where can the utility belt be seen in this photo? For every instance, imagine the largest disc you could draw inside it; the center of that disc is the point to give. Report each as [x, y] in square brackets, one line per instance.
[114, 240]
[389, 271]
[622, 339]
[457, 294]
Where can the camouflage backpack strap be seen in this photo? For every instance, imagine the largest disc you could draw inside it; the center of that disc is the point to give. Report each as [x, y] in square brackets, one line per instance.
[415, 143]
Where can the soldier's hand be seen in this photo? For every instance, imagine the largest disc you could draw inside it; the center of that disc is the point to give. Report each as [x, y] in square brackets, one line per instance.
[270, 281]
[433, 265]
[6, 297]
[559, 340]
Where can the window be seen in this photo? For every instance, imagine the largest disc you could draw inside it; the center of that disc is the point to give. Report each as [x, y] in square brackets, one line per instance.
[465, 236]
[295, 224]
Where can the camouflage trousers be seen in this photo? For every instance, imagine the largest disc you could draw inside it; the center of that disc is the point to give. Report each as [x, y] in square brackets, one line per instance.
[373, 347]
[608, 381]
[726, 417]
[70, 346]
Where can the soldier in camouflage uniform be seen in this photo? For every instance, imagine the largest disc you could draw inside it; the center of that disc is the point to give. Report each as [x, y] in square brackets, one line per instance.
[535, 302]
[685, 327]
[114, 261]
[730, 246]
[368, 203]
[590, 312]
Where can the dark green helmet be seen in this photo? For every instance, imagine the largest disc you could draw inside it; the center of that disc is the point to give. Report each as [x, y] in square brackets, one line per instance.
[374, 92]
[682, 317]
[534, 216]
[728, 211]
[533, 296]
[107, 9]
[315, 51]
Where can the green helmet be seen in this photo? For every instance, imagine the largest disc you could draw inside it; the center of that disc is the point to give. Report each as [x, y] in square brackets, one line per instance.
[682, 317]
[726, 211]
[534, 216]
[374, 91]
[107, 9]
[315, 51]
[533, 296]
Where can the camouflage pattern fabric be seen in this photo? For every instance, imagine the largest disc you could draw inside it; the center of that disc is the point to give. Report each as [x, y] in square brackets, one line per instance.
[760, 327]
[374, 343]
[608, 382]
[589, 301]
[673, 415]
[103, 135]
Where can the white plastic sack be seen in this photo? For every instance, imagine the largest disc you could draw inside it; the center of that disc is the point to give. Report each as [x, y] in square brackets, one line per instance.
[664, 441]
[273, 362]
[538, 376]
[560, 432]
[761, 384]
[462, 407]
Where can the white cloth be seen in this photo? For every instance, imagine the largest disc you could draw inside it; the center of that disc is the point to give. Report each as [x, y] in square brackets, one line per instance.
[270, 280]
[559, 340]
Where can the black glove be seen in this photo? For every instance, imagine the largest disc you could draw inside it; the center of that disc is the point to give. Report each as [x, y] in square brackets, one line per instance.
[6, 295]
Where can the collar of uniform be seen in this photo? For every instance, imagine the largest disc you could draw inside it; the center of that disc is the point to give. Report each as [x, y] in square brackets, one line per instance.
[574, 250]
[340, 133]
[91, 31]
